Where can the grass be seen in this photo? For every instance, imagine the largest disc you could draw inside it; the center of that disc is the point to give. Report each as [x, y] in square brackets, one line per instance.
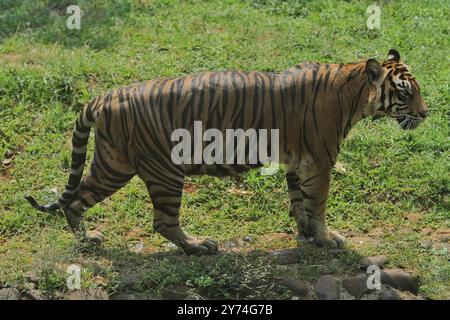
[48, 73]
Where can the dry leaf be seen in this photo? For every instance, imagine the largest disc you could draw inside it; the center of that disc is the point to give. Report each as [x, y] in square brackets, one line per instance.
[100, 281]
[239, 191]
[339, 167]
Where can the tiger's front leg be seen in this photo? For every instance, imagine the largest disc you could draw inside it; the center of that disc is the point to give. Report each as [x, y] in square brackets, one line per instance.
[315, 185]
[297, 207]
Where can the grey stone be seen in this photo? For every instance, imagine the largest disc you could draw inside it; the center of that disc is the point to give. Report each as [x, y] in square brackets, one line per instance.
[356, 286]
[233, 244]
[443, 237]
[34, 294]
[344, 295]
[374, 260]
[9, 294]
[248, 239]
[388, 293]
[384, 293]
[129, 296]
[285, 256]
[171, 246]
[131, 279]
[327, 288]
[298, 287]
[401, 280]
[426, 244]
[441, 246]
[175, 293]
[88, 294]
[336, 252]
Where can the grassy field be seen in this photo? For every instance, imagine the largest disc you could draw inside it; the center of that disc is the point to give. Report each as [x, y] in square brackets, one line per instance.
[390, 185]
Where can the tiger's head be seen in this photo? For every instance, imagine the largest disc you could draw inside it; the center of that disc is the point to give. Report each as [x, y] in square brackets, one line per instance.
[395, 92]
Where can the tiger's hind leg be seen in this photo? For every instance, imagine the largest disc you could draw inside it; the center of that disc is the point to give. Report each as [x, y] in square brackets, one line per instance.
[109, 172]
[166, 193]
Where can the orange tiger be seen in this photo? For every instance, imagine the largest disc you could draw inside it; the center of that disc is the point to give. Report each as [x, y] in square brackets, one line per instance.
[313, 106]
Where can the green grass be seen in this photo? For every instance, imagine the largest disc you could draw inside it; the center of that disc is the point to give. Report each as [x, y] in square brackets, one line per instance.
[47, 73]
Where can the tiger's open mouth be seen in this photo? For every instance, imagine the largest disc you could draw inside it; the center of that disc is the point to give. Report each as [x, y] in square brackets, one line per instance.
[408, 122]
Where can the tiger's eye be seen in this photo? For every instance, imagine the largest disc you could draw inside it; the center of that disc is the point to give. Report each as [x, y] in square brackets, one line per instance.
[402, 96]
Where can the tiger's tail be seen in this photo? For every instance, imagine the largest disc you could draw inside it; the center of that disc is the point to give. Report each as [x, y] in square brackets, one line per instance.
[80, 139]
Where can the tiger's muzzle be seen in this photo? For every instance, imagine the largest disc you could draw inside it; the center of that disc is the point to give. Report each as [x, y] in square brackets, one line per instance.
[408, 121]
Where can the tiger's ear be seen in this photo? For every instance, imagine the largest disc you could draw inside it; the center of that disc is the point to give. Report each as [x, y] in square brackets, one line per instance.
[374, 71]
[393, 56]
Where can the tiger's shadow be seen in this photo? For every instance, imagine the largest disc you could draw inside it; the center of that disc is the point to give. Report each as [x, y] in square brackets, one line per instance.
[233, 273]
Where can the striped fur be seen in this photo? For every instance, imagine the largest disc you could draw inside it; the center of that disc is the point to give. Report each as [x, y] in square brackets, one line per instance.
[312, 105]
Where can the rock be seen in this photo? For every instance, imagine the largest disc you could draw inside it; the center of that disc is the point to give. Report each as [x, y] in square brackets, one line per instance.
[384, 293]
[374, 260]
[89, 294]
[426, 244]
[327, 288]
[285, 256]
[427, 231]
[248, 239]
[129, 296]
[401, 280]
[171, 246]
[388, 293]
[298, 287]
[443, 231]
[344, 295]
[233, 244]
[34, 294]
[442, 237]
[440, 246]
[335, 252]
[9, 294]
[414, 216]
[131, 279]
[356, 286]
[175, 293]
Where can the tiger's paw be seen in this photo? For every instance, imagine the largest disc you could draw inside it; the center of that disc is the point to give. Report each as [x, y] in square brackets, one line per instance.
[201, 247]
[331, 240]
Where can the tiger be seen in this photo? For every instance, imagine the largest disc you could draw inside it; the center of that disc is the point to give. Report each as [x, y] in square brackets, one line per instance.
[313, 105]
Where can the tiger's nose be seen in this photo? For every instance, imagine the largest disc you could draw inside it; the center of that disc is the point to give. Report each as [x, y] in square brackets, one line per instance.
[424, 113]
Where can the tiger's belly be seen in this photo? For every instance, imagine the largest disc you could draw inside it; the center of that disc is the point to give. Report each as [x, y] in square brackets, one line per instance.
[219, 170]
